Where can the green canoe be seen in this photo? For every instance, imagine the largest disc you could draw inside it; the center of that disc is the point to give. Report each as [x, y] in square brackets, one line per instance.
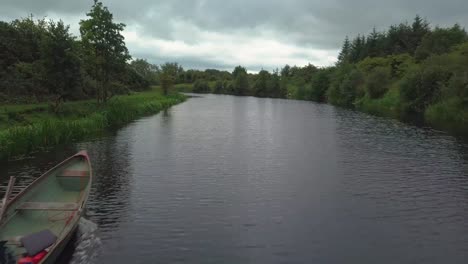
[54, 202]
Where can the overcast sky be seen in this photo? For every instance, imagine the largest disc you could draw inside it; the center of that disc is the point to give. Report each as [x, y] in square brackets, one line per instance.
[254, 33]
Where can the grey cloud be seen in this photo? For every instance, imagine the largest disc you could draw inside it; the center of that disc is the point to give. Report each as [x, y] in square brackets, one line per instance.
[307, 23]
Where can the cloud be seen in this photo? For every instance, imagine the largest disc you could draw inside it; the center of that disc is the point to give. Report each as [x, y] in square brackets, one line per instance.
[258, 34]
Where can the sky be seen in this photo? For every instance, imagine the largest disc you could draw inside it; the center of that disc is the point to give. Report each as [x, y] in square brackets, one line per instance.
[257, 34]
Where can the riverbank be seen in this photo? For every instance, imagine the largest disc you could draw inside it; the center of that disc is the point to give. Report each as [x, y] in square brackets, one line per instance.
[28, 128]
[449, 116]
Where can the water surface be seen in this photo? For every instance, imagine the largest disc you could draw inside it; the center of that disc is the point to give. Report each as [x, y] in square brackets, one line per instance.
[223, 179]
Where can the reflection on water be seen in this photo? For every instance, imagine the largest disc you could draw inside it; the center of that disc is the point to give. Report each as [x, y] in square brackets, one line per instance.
[222, 179]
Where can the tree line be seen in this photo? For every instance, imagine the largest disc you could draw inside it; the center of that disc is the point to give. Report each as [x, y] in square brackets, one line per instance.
[410, 70]
[42, 61]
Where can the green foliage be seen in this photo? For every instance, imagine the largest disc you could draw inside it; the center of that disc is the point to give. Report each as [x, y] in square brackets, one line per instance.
[219, 87]
[149, 72]
[201, 86]
[451, 114]
[241, 82]
[369, 64]
[169, 75]
[52, 131]
[261, 84]
[320, 84]
[104, 48]
[388, 105]
[377, 82]
[61, 64]
[422, 87]
[399, 39]
[345, 53]
[440, 41]
[345, 86]
[42, 61]
[274, 86]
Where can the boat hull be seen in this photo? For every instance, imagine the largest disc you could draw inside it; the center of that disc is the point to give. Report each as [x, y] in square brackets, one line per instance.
[54, 255]
[55, 202]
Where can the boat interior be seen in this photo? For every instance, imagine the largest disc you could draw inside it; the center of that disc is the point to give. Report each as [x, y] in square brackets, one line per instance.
[50, 203]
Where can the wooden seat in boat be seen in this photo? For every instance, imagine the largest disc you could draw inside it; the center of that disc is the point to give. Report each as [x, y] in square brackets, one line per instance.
[74, 173]
[48, 206]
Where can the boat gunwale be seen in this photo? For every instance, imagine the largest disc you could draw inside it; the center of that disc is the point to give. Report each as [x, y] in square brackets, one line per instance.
[62, 237]
[47, 173]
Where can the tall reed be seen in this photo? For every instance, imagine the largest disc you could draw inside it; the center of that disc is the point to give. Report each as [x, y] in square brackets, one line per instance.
[20, 140]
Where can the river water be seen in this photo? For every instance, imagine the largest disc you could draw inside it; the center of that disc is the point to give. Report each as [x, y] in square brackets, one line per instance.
[223, 179]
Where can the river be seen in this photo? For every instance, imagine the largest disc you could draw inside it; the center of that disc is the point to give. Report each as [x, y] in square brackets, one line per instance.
[223, 179]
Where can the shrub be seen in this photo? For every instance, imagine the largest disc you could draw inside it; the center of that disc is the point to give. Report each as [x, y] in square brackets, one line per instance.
[345, 86]
[450, 114]
[218, 88]
[422, 87]
[201, 86]
[377, 82]
[319, 85]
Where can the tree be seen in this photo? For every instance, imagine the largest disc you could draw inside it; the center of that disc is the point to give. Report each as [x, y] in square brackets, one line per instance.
[345, 52]
[174, 70]
[358, 46]
[377, 82]
[398, 39]
[147, 70]
[286, 71]
[439, 41]
[274, 85]
[319, 85]
[422, 86]
[375, 42]
[219, 87]
[419, 29]
[61, 63]
[201, 86]
[105, 51]
[241, 82]
[167, 76]
[25, 73]
[261, 84]
[344, 85]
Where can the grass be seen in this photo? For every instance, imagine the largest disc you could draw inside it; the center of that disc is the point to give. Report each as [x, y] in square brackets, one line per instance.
[34, 127]
[451, 115]
[387, 106]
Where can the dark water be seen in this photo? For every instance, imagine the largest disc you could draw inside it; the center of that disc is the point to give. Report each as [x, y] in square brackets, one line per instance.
[224, 179]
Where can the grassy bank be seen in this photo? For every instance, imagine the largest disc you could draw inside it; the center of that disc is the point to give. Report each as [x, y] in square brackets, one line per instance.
[28, 128]
[387, 106]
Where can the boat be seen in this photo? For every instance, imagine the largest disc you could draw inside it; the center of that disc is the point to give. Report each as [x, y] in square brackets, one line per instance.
[38, 221]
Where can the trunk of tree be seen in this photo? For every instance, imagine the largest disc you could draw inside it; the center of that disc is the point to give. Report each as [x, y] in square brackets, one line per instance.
[57, 103]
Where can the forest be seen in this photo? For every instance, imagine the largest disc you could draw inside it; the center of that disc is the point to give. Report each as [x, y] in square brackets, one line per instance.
[42, 61]
[56, 88]
[411, 71]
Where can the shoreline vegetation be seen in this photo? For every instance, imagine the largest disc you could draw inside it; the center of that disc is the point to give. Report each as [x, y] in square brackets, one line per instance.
[56, 88]
[411, 71]
[33, 127]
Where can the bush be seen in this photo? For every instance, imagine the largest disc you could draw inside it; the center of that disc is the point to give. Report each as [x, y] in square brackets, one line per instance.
[422, 87]
[201, 86]
[319, 85]
[52, 131]
[218, 88]
[345, 87]
[369, 64]
[377, 82]
[388, 105]
[450, 114]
